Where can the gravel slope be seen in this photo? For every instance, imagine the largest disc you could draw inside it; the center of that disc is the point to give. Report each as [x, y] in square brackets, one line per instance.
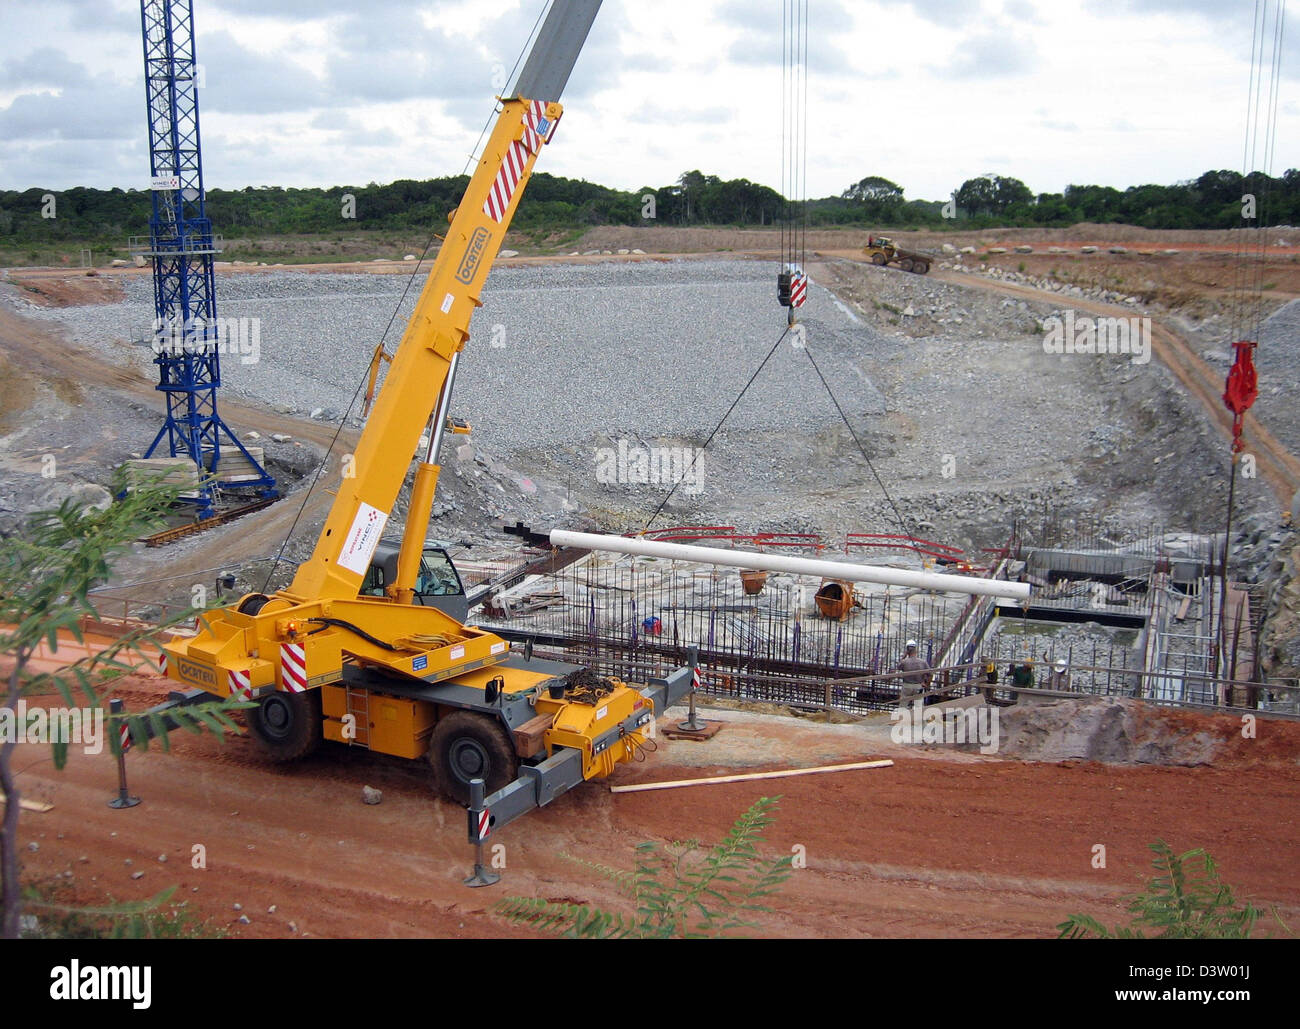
[1277, 359]
[655, 345]
[967, 420]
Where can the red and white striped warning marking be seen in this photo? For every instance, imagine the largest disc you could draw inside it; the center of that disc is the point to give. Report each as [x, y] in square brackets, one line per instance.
[695, 677]
[484, 824]
[241, 685]
[798, 289]
[124, 737]
[293, 667]
[538, 129]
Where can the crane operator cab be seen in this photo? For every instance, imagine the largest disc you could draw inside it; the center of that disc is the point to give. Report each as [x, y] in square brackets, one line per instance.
[438, 584]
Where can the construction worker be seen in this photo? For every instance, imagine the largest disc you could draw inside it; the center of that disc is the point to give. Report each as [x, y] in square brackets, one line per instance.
[1022, 675]
[990, 680]
[1060, 677]
[916, 673]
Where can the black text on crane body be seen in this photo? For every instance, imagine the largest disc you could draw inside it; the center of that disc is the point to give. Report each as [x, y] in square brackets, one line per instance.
[478, 242]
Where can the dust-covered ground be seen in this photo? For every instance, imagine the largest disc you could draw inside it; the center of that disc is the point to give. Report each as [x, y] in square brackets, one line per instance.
[948, 841]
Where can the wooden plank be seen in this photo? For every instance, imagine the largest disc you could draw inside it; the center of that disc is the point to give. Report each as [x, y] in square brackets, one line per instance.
[748, 776]
[1182, 609]
[530, 737]
[710, 730]
[1239, 638]
[39, 806]
[158, 539]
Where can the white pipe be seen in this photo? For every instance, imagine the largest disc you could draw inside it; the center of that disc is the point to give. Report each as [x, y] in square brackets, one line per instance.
[794, 565]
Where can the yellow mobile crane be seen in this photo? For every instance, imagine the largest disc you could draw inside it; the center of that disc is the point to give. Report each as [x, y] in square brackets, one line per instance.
[325, 659]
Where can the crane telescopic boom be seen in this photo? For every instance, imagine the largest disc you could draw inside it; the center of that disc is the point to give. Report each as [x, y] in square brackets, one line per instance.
[303, 636]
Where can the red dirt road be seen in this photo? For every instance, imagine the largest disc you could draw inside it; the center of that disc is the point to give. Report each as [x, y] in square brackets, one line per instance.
[940, 844]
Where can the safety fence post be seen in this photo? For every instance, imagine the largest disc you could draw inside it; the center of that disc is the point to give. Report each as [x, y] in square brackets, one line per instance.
[480, 825]
[123, 798]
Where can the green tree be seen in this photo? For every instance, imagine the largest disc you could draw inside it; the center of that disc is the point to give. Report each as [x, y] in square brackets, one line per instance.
[976, 196]
[1094, 203]
[47, 570]
[874, 189]
[103, 217]
[992, 194]
[693, 186]
[1217, 188]
[1054, 209]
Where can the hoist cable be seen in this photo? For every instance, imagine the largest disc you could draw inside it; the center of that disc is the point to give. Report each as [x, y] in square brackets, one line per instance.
[410, 280]
[803, 147]
[698, 452]
[898, 516]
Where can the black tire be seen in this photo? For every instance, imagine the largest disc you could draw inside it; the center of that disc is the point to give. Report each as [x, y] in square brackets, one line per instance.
[466, 746]
[920, 267]
[877, 258]
[905, 264]
[286, 726]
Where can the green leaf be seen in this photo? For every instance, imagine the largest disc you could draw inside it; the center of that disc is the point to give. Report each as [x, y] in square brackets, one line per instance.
[130, 907]
[1185, 899]
[676, 892]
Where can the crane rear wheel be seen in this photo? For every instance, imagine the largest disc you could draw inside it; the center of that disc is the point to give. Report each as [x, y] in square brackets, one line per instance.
[905, 264]
[286, 726]
[467, 745]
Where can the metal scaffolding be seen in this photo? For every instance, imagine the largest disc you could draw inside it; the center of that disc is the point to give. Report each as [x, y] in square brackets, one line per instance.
[186, 333]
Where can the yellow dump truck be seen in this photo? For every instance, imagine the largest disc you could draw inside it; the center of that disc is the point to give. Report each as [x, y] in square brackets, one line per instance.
[882, 251]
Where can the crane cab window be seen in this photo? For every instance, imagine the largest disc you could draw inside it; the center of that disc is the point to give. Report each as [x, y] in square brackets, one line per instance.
[374, 583]
[438, 576]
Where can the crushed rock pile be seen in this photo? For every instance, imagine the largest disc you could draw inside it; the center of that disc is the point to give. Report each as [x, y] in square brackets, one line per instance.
[1107, 729]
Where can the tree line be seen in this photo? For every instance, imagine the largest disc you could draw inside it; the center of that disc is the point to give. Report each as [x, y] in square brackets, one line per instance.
[1214, 200]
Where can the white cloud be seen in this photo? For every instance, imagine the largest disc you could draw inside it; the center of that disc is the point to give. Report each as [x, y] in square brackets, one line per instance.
[924, 92]
[988, 54]
[243, 81]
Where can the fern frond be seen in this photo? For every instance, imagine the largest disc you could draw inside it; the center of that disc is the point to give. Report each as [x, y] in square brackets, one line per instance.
[676, 891]
[622, 878]
[574, 921]
[1185, 899]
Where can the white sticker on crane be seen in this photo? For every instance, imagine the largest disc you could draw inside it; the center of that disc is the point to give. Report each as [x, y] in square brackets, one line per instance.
[447, 301]
[362, 538]
[162, 182]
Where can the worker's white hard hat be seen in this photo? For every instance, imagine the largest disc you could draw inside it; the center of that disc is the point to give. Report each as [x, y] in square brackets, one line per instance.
[911, 643]
[1060, 664]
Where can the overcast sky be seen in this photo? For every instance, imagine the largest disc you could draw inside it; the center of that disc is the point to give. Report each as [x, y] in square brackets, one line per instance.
[927, 93]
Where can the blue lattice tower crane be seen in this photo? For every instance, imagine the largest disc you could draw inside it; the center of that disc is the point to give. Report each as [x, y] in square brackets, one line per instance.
[187, 337]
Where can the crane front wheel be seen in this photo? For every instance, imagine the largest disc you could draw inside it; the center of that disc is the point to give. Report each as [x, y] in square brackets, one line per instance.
[286, 726]
[466, 746]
